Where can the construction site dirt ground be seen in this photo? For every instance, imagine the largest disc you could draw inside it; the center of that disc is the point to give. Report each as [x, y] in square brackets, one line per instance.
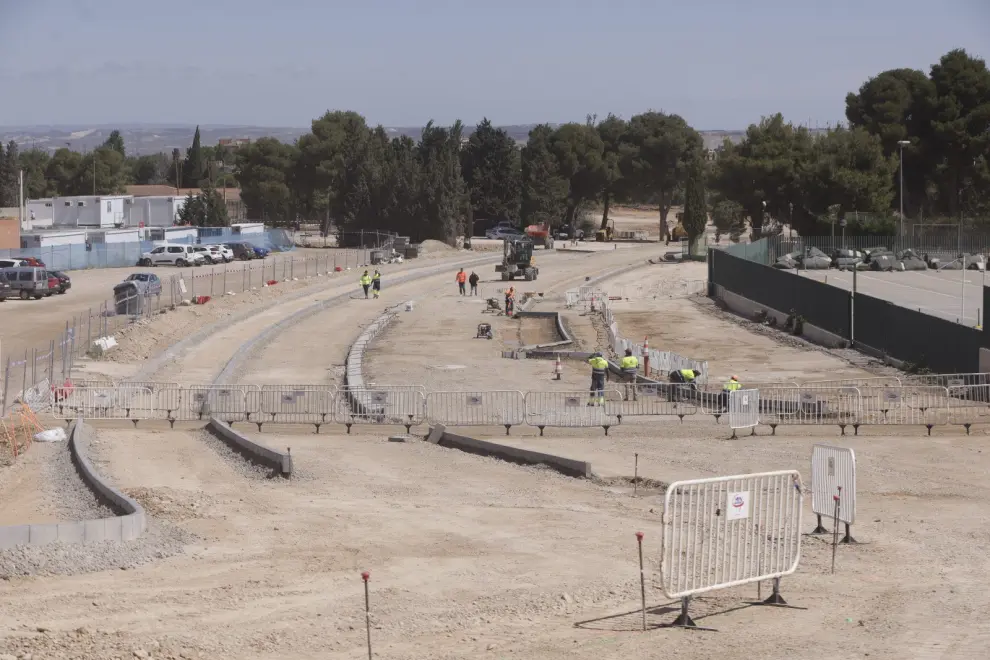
[476, 558]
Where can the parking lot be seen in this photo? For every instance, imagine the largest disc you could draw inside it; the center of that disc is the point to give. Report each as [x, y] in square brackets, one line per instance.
[937, 293]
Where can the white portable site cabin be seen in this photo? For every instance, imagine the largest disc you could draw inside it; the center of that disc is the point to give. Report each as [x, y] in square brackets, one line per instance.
[106, 211]
[52, 239]
[157, 211]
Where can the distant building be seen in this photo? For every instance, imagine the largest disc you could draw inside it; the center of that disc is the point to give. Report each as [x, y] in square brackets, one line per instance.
[101, 211]
[232, 197]
[234, 143]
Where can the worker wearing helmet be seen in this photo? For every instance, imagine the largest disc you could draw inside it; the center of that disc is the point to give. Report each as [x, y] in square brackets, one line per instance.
[629, 366]
[728, 388]
[599, 374]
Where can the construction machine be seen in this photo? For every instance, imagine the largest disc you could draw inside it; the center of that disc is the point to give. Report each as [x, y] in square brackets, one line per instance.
[541, 235]
[517, 260]
[606, 233]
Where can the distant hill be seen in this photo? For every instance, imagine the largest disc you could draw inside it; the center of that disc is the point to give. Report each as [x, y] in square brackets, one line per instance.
[152, 138]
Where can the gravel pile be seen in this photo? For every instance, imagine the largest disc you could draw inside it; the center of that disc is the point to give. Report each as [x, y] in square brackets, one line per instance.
[236, 461]
[70, 497]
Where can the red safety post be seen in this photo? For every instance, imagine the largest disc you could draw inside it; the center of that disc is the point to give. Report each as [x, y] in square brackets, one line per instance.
[642, 577]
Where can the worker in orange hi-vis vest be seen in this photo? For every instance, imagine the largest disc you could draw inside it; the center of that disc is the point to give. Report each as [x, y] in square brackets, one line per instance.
[461, 279]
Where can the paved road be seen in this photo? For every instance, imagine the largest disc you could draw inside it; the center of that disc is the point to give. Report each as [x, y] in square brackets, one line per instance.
[936, 293]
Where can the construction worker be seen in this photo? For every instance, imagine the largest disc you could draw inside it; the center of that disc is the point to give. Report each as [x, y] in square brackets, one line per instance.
[473, 281]
[686, 376]
[366, 283]
[599, 374]
[376, 284]
[510, 301]
[629, 365]
[461, 279]
[730, 386]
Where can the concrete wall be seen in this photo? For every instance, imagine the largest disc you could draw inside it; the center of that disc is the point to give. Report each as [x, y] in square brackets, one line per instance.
[10, 234]
[279, 462]
[127, 526]
[567, 466]
[746, 307]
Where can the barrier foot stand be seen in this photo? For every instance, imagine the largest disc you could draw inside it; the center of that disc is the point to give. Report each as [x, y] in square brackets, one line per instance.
[684, 619]
[507, 427]
[820, 529]
[776, 600]
[848, 538]
[967, 428]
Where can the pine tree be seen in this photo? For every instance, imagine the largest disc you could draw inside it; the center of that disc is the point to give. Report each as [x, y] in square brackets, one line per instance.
[8, 175]
[695, 209]
[192, 169]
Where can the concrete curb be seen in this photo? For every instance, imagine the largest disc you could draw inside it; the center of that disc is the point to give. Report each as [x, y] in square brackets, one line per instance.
[279, 462]
[126, 527]
[565, 466]
[354, 365]
[558, 322]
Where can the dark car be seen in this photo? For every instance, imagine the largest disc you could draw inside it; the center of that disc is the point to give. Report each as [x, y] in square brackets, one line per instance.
[152, 286]
[242, 251]
[5, 290]
[31, 261]
[260, 252]
[64, 283]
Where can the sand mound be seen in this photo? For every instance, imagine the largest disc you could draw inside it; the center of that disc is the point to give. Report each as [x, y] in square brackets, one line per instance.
[431, 246]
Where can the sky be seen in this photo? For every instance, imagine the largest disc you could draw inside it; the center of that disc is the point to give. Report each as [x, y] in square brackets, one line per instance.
[721, 64]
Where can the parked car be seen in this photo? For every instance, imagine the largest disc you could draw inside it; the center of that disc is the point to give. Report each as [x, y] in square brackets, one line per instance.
[31, 261]
[5, 290]
[260, 252]
[503, 232]
[28, 281]
[64, 283]
[12, 263]
[222, 253]
[241, 251]
[172, 255]
[208, 256]
[152, 285]
[52, 286]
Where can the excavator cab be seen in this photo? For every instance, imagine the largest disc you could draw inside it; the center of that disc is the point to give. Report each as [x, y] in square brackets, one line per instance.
[517, 260]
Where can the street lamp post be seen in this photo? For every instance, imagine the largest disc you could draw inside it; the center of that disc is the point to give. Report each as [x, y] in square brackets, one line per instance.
[902, 144]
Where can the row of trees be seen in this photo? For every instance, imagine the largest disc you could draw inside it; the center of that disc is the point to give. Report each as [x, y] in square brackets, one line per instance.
[346, 173]
[108, 169]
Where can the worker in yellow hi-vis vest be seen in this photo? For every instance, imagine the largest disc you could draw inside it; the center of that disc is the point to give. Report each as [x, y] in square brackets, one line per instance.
[599, 374]
[365, 283]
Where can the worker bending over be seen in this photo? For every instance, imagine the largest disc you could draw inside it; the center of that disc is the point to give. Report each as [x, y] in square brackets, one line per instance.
[686, 376]
[599, 374]
[376, 284]
[366, 283]
[629, 365]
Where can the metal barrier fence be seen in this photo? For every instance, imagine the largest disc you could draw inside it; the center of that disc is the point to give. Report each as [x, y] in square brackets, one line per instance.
[768, 405]
[491, 408]
[395, 405]
[101, 402]
[833, 487]
[570, 410]
[651, 400]
[730, 531]
[744, 410]
[54, 361]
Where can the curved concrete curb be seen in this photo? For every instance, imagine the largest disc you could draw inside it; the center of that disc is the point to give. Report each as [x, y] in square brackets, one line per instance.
[565, 466]
[279, 462]
[354, 365]
[126, 527]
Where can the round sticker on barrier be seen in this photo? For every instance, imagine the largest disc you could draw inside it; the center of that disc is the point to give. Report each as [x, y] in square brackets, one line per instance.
[474, 400]
[956, 382]
[891, 395]
[738, 506]
[379, 397]
[289, 397]
[807, 397]
[572, 401]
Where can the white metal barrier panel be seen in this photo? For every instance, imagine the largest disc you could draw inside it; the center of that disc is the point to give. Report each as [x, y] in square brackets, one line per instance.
[729, 531]
[571, 409]
[744, 409]
[493, 408]
[833, 482]
[403, 405]
[949, 380]
[648, 399]
[923, 406]
[784, 406]
[114, 402]
[969, 404]
[226, 402]
[293, 404]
